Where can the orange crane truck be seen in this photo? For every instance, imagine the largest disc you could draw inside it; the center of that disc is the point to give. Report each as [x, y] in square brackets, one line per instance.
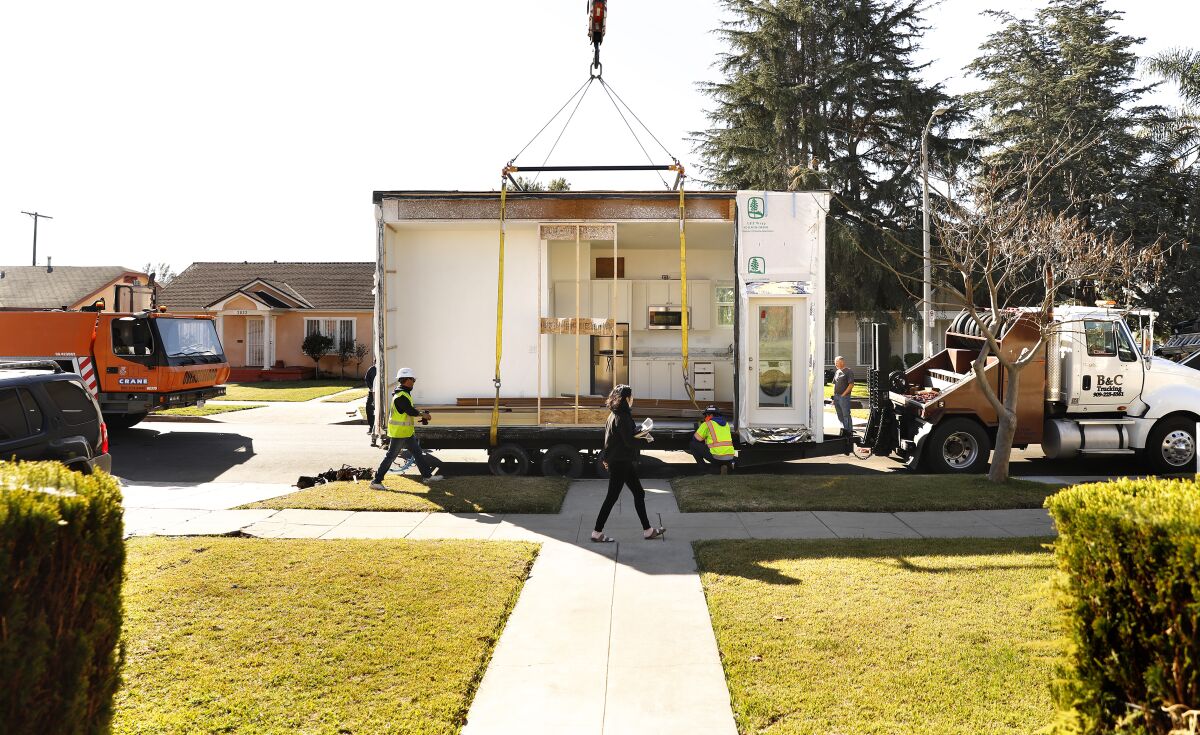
[132, 363]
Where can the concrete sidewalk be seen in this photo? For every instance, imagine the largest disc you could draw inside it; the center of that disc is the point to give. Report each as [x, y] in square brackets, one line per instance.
[606, 638]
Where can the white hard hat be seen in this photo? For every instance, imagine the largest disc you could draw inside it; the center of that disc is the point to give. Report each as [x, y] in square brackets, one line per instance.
[403, 373]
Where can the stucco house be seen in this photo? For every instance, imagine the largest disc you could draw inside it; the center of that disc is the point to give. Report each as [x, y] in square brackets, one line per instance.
[265, 310]
[73, 287]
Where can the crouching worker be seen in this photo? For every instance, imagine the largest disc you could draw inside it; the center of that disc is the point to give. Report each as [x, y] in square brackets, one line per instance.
[713, 441]
[401, 430]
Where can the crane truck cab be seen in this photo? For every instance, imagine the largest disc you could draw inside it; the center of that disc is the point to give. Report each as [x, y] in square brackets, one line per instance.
[1090, 391]
[132, 363]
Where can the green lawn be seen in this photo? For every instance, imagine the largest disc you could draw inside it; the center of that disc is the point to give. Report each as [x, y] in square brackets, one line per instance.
[298, 636]
[891, 492]
[483, 494]
[287, 390]
[209, 409]
[923, 637]
[858, 391]
[347, 396]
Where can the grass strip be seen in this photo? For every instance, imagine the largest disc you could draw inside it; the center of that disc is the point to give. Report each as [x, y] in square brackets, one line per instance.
[883, 493]
[923, 637]
[265, 636]
[484, 494]
[859, 390]
[347, 396]
[208, 410]
[286, 390]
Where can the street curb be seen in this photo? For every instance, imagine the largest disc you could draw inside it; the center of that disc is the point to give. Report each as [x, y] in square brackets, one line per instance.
[180, 419]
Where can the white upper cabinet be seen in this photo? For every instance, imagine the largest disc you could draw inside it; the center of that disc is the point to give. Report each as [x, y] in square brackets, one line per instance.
[602, 300]
[564, 299]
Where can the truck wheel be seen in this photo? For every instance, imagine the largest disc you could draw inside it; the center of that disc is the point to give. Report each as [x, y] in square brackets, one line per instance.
[121, 421]
[1171, 446]
[957, 446]
[563, 460]
[508, 460]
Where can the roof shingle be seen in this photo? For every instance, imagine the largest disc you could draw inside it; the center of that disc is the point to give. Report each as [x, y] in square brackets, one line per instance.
[36, 287]
[324, 285]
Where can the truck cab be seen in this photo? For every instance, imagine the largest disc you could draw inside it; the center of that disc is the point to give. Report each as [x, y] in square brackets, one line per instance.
[1090, 391]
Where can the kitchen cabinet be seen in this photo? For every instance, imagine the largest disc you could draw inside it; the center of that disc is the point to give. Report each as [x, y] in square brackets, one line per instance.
[700, 301]
[639, 378]
[657, 292]
[602, 305]
[637, 321]
[660, 379]
[564, 299]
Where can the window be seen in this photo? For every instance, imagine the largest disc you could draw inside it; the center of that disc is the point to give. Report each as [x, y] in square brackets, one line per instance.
[340, 330]
[132, 337]
[1125, 348]
[1100, 339]
[73, 401]
[866, 345]
[723, 294]
[12, 416]
[189, 337]
[830, 341]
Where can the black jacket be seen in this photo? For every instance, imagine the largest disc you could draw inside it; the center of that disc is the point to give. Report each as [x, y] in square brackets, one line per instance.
[620, 445]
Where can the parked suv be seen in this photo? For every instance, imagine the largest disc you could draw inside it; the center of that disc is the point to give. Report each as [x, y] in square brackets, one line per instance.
[46, 413]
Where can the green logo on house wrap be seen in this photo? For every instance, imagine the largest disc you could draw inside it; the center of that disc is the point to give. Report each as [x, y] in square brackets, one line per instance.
[756, 208]
[757, 266]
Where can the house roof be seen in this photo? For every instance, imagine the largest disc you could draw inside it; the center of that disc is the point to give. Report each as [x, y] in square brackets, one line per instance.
[39, 287]
[324, 285]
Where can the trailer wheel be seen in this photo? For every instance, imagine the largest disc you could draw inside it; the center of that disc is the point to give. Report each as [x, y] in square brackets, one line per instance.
[1171, 446]
[508, 460]
[957, 446]
[563, 460]
[120, 421]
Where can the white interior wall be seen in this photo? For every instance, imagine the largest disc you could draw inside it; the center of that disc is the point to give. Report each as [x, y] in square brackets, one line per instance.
[441, 299]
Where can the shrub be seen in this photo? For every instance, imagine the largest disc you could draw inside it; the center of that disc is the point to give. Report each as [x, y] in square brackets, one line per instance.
[316, 346]
[61, 562]
[895, 363]
[912, 358]
[1129, 559]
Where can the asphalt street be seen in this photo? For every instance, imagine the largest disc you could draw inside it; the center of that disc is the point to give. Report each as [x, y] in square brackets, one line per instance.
[278, 451]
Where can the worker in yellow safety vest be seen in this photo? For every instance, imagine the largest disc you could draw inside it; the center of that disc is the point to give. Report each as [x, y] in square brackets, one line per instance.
[713, 441]
[401, 431]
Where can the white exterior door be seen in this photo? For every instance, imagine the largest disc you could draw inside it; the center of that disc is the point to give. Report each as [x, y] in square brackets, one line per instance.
[776, 369]
[254, 341]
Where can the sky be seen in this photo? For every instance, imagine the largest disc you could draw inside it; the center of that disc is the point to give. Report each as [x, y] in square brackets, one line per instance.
[177, 132]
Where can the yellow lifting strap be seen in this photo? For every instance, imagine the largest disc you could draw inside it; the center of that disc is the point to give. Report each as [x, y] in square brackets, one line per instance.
[687, 382]
[492, 439]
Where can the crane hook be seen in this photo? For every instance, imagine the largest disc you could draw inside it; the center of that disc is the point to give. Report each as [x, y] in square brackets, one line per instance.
[597, 17]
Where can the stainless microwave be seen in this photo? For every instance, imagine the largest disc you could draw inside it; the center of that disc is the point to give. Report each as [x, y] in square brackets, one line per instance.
[666, 317]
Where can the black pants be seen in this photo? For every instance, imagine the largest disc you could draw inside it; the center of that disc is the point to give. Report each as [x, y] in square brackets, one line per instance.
[371, 412]
[425, 463]
[621, 474]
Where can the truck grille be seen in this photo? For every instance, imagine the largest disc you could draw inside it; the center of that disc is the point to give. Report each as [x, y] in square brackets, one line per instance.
[199, 376]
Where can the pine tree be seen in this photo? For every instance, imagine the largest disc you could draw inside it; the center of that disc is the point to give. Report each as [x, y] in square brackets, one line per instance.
[1061, 87]
[825, 94]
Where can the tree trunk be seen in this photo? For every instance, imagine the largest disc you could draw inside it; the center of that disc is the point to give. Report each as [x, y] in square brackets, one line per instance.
[1006, 430]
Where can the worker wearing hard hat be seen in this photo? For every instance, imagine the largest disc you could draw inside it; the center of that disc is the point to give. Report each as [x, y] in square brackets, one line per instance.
[713, 441]
[401, 430]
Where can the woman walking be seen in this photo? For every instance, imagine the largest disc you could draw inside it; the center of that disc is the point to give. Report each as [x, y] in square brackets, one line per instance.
[619, 457]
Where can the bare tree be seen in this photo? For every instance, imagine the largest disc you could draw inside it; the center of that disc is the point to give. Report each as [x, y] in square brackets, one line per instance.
[163, 272]
[1001, 256]
[360, 353]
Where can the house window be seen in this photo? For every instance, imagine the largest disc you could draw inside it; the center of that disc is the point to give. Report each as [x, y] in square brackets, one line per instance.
[830, 341]
[866, 345]
[724, 298]
[340, 330]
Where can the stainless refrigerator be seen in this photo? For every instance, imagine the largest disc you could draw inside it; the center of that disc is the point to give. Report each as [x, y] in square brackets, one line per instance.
[610, 361]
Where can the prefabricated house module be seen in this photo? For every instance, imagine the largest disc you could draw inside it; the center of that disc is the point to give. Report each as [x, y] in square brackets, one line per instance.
[709, 297]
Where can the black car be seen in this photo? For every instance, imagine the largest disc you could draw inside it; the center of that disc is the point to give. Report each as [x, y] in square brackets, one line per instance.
[48, 414]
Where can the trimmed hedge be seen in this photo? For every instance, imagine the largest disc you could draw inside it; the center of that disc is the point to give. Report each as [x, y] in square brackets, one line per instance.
[1129, 559]
[62, 559]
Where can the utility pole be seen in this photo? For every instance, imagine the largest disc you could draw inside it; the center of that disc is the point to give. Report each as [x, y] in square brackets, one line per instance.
[927, 271]
[35, 216]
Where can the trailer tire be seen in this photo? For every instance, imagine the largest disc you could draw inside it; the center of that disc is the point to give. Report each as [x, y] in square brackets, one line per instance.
[122, 421]
[563, 460]
[1171, 446]
[957, 446]
[508, 460]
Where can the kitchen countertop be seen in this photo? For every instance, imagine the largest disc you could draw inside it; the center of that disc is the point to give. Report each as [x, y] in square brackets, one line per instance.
[693, 355]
